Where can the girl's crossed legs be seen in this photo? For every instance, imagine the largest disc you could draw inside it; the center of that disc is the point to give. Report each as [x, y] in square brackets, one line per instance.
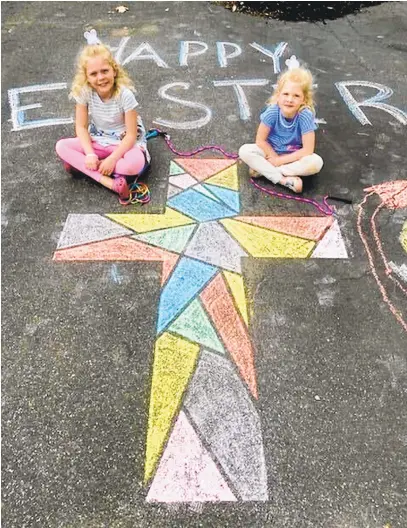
[255, 158]
[71, 152]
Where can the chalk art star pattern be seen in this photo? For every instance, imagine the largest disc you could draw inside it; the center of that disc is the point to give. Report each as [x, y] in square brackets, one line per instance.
[204, 438]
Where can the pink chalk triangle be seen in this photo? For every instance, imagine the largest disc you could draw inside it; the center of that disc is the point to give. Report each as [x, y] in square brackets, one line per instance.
[201, 169]
[186, 472]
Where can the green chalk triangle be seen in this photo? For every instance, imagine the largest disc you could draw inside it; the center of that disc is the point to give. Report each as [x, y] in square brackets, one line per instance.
[175, 169]
[195, 325]
[172, 238]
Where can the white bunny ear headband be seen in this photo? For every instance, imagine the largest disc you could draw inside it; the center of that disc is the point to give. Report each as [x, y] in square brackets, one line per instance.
[91, 37]
[291, 63]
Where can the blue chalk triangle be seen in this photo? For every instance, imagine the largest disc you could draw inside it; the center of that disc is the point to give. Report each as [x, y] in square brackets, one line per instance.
[186, 280]
[228, 196]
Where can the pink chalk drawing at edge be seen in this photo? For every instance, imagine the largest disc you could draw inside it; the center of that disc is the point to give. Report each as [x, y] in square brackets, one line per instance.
[204, 439]
[393, 195]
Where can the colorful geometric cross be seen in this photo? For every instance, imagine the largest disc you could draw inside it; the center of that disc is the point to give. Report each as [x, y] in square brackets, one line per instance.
[204, 439]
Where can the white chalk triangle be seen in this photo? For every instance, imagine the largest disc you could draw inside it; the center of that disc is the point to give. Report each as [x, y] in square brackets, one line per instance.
[331, 245]
[186, 472]
[183, 181]
[172, 191]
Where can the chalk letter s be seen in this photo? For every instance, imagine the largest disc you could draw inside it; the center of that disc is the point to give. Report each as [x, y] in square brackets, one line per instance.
[18, 112]
[183, 125]
[374, 102]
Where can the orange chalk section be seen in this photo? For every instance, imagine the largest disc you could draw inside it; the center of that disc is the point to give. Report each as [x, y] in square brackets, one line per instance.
[201, 169]
[311, 228]
[119, 249]
[219, 305]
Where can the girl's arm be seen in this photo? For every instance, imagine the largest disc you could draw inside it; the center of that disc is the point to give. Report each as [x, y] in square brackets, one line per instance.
[261, 141]
[108, 164]
[308, 146]
[82, 133]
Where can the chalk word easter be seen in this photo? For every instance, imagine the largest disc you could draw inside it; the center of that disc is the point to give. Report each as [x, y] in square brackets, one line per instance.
[226, 52]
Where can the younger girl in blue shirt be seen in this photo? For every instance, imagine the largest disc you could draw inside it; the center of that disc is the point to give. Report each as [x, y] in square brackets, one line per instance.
[285, 140]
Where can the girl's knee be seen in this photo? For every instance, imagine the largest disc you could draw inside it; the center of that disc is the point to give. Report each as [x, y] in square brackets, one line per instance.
[59, 147]
[244, 151]
[312, 164]
[318, 162]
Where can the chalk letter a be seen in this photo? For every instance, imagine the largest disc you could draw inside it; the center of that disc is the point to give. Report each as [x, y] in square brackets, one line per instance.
[151, 54]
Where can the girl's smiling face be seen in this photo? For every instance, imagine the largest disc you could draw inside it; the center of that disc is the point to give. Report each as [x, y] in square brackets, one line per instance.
[100, 76]
[290, 98]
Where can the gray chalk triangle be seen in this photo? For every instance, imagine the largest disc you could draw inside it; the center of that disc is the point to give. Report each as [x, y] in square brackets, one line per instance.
[212, 244]
[85, 228]
[229, 424]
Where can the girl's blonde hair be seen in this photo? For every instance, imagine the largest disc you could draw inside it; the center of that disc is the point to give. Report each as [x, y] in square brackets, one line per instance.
[299, 76]
[98, 50]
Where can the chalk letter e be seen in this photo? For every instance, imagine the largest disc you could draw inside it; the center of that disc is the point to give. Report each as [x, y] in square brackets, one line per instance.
[18, 112]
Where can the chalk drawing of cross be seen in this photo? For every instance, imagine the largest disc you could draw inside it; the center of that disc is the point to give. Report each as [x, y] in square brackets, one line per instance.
[204, 440]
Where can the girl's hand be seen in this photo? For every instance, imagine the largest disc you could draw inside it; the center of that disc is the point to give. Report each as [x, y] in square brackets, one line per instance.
[274, 160]
[107, 166]
[91, 161]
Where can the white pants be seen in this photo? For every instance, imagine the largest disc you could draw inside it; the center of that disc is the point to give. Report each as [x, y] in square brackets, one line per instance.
[255, 158]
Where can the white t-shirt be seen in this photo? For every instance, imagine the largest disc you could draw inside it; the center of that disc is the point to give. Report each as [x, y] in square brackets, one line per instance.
[106, 118]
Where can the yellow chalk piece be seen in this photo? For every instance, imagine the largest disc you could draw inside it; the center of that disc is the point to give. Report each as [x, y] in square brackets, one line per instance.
[263, 243]
[227, 178]
[142, 223]
[403, 236]
[236, 285]
[174, 363]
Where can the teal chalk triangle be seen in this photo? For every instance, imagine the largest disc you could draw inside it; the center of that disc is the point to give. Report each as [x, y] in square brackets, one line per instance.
[175, 169]
[200, 188]
[228, 196]
[172, 238]
[194, 324]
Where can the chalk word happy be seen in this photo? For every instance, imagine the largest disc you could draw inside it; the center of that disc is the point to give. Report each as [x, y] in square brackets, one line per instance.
[226, 51]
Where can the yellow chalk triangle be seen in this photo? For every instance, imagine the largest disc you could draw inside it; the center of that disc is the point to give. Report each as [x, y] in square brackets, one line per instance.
[236, 285]
[142, 223]
[403, 236]
[174, 363]
[260, 242]
[227, 178]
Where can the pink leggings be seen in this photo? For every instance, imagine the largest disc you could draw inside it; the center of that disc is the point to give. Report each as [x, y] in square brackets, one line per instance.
[70, 151]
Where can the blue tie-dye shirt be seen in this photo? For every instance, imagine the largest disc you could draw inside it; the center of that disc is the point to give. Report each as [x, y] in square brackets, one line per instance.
[285, 135]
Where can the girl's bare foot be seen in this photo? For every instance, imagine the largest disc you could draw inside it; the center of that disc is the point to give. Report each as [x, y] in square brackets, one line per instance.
[254, 174]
